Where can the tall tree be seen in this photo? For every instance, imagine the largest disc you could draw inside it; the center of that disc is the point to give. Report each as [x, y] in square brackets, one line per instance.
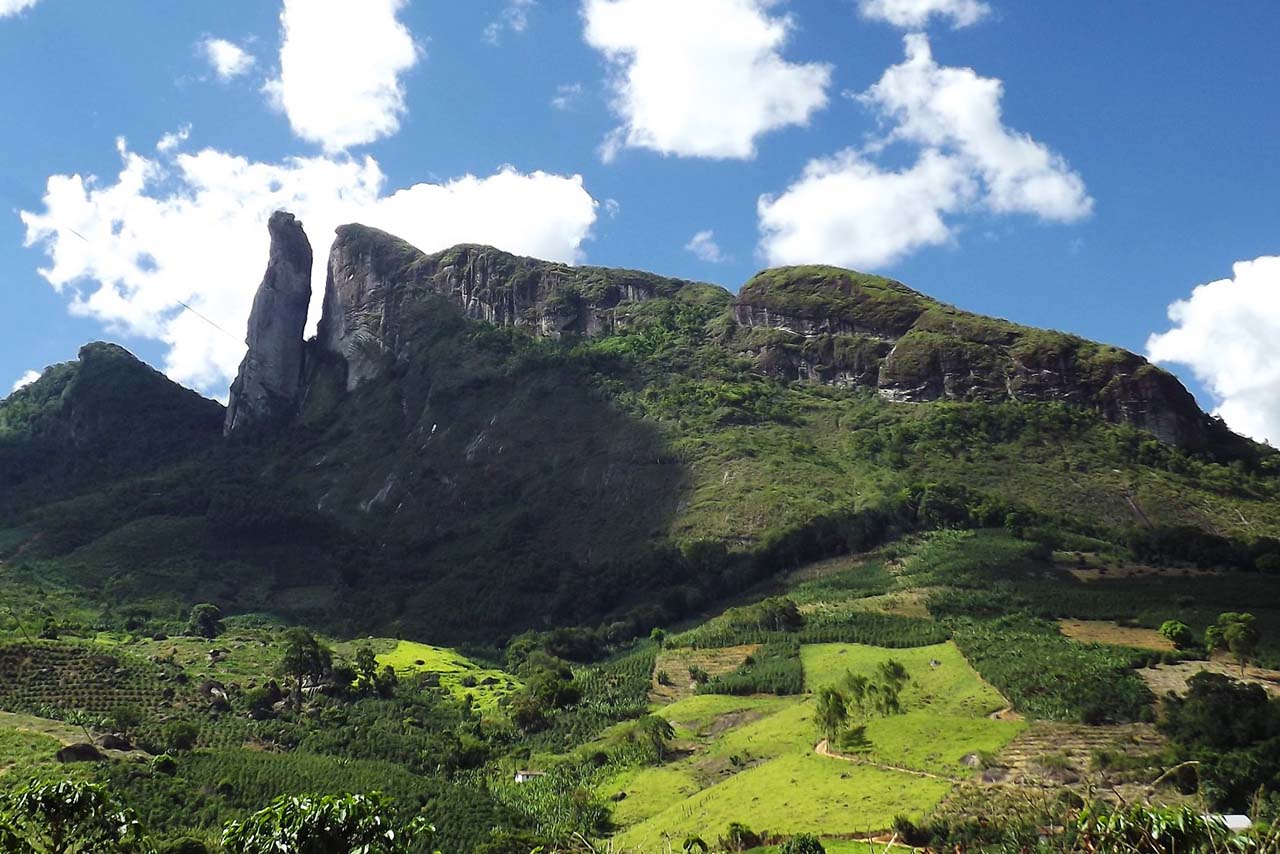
[303, 656]
[831, 714]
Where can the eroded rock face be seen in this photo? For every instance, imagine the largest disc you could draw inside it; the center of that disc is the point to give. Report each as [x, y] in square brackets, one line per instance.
[267, 387]
[376, 282]
[835, 326]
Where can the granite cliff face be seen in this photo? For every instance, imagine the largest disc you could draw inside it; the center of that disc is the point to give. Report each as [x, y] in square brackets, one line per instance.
[375, 281]
[268, 385]
[835, 326]
[813, 324]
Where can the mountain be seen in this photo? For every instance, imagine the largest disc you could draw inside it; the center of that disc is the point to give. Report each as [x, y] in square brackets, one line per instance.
[476, 443]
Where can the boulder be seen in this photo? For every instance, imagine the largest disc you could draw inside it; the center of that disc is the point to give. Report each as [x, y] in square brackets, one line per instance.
[80, 753]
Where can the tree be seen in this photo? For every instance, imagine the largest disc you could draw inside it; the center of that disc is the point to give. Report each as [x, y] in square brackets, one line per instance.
[1240, 634]
[367, 669]
[1177, 633]
[803, 844]
[67, 817]
[124, 718]
[658, 636]
[303, 656]
[181, 735]
[1235, 632]
[205, 621]
[857, 685]
[330, 824]
[831, 714]
[893, 673]
[657, 730]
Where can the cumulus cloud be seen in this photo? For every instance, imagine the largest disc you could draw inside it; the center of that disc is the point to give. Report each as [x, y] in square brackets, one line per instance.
[227, 59]
[914, 14]
[849, 210]
[701, 79]
[13, 7]
[190, 228]
[955, 109]
[171, 141]
[25, 380]
[704, 247]
[514, 17]
[845, 210]
[1228, 332]
[340, 67]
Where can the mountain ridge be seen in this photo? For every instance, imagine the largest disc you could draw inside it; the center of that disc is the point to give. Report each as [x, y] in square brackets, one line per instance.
[618, 449]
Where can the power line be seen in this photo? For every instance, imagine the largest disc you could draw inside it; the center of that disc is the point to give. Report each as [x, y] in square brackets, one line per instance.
[65, 227]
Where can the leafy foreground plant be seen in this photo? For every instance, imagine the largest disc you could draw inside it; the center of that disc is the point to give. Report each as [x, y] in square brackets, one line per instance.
[67, 817]
[348, 824]
[1095, 829]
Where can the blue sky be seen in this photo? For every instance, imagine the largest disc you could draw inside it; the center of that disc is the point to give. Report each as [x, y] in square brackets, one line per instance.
[1080, 166]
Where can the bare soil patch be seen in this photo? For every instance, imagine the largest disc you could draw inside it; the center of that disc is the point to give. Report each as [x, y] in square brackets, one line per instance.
[1173, 677]
[1060, 755]
[675, 663]
[1103, 631]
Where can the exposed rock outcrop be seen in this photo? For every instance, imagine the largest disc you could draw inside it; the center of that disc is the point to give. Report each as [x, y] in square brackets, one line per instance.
[376, 282]
[835, 326]
[267, 387]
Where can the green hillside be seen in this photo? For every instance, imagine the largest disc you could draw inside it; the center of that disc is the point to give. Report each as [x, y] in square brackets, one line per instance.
[557, 555]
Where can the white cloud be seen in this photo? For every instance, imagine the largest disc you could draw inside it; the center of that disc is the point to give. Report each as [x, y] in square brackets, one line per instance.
[955, 109]
[25, 380]
[702, 79]
[340, 68]
[849, 210]
[191, 228]
[171, 141]
[915, 14]
[227, 59]
[845, 210]
[514, 17]
[566, 96]
[704, 247]
[13, 7]
[1228, 332]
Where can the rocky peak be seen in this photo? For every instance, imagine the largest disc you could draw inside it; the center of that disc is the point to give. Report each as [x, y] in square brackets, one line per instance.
[836, 326]
[267, 387]
[376, 281]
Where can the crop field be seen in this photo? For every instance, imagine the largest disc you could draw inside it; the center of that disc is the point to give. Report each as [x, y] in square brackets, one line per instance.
[459, 674]
[1103, 631]
[676, 664]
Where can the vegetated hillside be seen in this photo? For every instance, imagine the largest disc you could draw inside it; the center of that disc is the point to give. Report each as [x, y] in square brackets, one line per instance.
[484, 443]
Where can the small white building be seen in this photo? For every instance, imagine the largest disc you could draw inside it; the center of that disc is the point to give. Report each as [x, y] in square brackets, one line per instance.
[527, 776]
[1234, 823]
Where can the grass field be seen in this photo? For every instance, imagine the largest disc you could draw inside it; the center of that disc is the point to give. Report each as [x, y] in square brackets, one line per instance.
[940, 678]
[802, 793]
[459, 674]
[24, 748]
[751, 759]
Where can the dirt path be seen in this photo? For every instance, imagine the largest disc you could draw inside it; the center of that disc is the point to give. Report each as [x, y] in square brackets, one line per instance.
[823, 749]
